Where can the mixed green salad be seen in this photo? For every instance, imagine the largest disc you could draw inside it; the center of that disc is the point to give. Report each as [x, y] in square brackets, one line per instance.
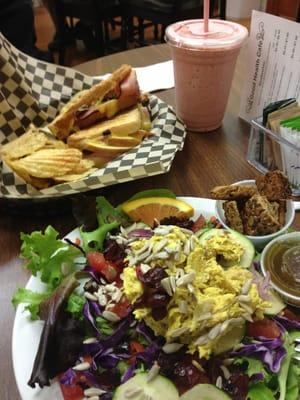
[178, 309]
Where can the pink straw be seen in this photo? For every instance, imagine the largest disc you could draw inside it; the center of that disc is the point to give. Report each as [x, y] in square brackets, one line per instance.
[206, 15]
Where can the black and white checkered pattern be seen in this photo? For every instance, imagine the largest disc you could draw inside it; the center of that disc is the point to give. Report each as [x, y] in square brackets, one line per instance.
[33, 91]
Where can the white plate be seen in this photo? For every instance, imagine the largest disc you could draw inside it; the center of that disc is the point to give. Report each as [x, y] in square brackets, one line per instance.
[26, 334]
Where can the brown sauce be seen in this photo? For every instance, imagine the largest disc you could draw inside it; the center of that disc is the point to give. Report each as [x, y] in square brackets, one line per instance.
[283, 264]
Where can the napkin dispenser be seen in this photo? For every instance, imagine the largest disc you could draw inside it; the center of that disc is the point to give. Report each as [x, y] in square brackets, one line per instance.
[268, 151]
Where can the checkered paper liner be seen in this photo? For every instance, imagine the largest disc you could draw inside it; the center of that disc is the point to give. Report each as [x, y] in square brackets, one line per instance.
[33, 91]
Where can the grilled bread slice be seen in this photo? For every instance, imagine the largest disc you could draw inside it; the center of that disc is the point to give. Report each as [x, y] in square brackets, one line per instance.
[102, 101]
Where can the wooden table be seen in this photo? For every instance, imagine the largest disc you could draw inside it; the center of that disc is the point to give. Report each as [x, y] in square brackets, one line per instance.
[207, 160]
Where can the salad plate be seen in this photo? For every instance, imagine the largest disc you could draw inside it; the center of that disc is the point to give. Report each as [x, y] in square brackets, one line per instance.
[26, 333]
[178, 307]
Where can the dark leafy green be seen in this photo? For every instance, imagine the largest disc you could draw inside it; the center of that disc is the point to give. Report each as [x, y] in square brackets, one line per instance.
[61, 336]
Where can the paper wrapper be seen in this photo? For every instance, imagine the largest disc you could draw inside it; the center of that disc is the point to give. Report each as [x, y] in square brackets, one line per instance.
[33, 91]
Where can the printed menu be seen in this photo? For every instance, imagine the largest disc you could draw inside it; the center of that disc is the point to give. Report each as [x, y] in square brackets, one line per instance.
[273, 71]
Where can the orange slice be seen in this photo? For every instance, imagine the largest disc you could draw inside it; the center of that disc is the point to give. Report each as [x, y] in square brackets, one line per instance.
[150, 208]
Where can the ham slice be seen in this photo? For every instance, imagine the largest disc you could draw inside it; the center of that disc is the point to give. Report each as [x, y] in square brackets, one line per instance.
[130, 91]
[88, 117]
[129, 95]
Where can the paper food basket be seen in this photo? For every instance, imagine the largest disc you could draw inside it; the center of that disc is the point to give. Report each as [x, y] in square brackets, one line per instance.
[33, 91]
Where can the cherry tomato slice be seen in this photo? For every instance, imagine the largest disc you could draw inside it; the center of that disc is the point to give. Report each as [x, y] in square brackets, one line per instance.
[136, 347]
[199, 223]
[122, 309]
[265, 327]
[97, 261]
[72, 392]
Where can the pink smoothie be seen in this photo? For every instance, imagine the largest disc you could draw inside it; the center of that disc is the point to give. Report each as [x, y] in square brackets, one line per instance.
[203, 67]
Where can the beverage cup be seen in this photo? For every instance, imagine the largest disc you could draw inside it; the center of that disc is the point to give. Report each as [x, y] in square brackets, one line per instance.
[204, 64]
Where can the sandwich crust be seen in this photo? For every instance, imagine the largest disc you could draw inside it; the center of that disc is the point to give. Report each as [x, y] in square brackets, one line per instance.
[62, 125]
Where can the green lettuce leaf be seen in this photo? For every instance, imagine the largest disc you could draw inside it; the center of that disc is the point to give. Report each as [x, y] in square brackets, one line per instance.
[259, 391]
[285, 366]
[75, 305]
[254, 366]
[293, 377]
[293, 383]
[104, 326]
[45, 254]
[31, 299]
[108, 218]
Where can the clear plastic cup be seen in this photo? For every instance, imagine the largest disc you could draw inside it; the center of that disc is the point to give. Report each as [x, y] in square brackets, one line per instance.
[203, 66]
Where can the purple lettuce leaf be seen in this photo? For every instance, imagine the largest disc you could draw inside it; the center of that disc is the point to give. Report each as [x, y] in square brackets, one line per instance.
[141, 233]
[257, 377]
[129, 373]
[93, 380]
[68, 377]
[89, 270]
[103, 350]
[148, 334]
[89, 317]
[96, 308]
[149, 355]
[262, 282]
[106, 396]
[61, 338]
[114, 339]
[287, 323]
[269, 351]
[107, 361]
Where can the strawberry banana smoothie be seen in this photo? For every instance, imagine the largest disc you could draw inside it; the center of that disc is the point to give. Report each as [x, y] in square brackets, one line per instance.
[203, 67]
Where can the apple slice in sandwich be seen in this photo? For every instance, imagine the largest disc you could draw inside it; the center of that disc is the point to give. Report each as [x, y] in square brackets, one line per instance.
[123, 124]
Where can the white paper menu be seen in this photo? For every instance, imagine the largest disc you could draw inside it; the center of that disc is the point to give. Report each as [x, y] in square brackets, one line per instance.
[273, 67]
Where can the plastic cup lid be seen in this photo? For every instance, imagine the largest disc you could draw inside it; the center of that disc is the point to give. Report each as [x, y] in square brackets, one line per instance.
[190, 34]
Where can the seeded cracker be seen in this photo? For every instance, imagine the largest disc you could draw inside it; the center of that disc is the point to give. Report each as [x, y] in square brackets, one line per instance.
[233, 192]
[232, 215]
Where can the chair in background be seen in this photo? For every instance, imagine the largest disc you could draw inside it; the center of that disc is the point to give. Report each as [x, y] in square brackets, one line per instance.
[163, 13]
[97, 14]
[283, 8]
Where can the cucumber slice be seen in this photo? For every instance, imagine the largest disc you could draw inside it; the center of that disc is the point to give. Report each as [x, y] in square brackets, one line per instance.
[230, 338]
[277, 304]
[158, 388]
[204, 391]
[202, 231]
[249, 254]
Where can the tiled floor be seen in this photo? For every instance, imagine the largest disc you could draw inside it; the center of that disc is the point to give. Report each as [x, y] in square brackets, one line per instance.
[76, 53]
